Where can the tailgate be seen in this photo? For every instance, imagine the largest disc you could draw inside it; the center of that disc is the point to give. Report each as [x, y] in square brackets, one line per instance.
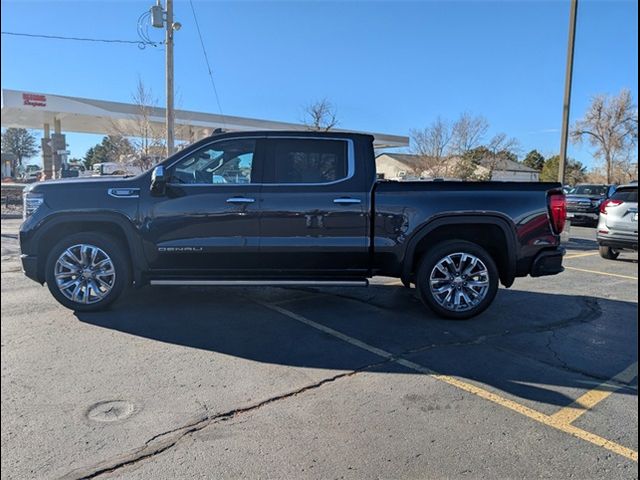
[623, 217]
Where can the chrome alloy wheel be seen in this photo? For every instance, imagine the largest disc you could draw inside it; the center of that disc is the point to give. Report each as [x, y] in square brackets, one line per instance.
[85, 273]
[459, 281]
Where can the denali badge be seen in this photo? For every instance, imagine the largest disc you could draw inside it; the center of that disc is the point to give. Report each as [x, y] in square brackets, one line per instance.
[180, 249]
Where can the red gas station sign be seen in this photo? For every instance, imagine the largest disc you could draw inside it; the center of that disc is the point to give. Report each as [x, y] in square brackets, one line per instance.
[34, 100]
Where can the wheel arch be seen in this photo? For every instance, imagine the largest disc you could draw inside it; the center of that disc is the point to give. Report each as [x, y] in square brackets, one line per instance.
[492, 231]
[114, 224]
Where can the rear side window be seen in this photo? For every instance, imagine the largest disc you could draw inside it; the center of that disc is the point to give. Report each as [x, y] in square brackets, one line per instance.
[626, 195]
[307, 161]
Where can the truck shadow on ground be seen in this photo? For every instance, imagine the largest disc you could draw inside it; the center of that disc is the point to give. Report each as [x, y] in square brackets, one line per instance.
[534, 346]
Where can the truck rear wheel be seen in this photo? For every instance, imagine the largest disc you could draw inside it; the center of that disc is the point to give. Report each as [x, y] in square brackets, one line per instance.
[457, 279]
[87, 271]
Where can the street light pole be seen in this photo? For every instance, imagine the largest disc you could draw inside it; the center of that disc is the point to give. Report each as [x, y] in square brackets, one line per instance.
[567, 92]
[169, 72]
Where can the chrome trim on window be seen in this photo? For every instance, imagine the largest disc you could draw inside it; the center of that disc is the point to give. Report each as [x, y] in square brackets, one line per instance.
[351, 164]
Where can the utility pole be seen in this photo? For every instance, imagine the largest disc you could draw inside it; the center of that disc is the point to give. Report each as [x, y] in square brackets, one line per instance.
[163, 18]
[169, 49]
[567, 91]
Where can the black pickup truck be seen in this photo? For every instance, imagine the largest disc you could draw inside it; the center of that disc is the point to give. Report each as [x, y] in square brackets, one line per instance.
[287, 208]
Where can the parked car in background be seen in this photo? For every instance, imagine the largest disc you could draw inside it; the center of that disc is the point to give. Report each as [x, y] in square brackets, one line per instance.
[584, 201]
[618, 223]
[31, 173]
[73, 170]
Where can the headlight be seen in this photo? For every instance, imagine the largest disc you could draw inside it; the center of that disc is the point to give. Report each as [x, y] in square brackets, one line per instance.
[31, 203]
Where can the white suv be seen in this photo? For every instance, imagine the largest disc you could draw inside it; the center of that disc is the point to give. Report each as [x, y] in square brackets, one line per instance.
[618, 222]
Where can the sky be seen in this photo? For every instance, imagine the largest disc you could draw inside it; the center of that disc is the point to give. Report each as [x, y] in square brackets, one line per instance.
[387, 66]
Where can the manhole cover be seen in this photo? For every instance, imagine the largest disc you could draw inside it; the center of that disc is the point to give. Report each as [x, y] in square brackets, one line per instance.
[110, 411]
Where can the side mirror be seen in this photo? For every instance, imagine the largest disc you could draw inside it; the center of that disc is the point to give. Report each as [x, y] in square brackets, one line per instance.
[158, 181]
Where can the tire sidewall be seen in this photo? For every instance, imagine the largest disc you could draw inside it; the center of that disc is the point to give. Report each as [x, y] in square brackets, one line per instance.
[111, 247]
[437, 253]
[608, 253]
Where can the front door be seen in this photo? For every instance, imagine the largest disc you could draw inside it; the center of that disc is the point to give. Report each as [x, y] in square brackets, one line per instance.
[208, 221]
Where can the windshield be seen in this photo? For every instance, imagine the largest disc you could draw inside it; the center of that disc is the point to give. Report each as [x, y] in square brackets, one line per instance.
[590, 190]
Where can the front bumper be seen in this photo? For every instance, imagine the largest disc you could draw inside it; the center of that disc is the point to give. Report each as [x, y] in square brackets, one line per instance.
[577, 215]
[30, 267]
[548, 262]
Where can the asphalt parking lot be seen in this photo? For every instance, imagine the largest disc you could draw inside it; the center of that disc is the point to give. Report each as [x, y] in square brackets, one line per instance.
[325, 383]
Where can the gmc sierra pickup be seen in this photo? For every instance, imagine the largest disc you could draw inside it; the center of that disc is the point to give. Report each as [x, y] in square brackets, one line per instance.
[287, 208]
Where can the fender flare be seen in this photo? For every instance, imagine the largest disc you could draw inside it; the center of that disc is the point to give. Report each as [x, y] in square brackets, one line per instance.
[124, 223]
[496, 219]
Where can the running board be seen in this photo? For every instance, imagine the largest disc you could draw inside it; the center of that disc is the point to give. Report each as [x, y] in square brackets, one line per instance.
[269, 283]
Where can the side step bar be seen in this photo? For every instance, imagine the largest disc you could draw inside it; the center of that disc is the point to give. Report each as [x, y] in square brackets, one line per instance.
[270, 283]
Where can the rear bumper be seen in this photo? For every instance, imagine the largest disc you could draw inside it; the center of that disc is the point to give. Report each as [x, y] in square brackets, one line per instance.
[622, 243]
[548, 262]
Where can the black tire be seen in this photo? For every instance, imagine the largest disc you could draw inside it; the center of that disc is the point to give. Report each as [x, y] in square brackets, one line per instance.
[119, 261]
[608, 252]
[437, 254]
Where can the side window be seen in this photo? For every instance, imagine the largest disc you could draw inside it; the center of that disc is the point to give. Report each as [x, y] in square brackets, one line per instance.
[307, 161]
[224, 162]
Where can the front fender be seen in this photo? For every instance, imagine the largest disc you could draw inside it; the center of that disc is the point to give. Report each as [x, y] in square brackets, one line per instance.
[32, 236]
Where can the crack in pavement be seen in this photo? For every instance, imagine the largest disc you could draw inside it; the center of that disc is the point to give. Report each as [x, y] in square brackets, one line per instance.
[166, 440]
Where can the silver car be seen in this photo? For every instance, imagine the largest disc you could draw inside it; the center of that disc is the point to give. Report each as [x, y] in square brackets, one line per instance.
[618, 222]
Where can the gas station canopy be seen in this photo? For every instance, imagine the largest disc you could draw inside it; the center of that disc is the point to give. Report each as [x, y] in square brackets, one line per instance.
[33, 110]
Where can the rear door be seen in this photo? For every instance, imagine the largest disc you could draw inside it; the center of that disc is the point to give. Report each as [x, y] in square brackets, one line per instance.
[314, 217]
[622, 210]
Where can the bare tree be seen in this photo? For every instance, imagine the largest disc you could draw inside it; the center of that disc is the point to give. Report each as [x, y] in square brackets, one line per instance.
[147, 138]
[431, 144]
[500, 147]
[468, 132]
[611, 125]
[320, 115]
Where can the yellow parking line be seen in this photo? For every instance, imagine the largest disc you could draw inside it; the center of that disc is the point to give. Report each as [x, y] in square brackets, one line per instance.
[602, 273]
[571, 413]
[578, 255]
[468, 387]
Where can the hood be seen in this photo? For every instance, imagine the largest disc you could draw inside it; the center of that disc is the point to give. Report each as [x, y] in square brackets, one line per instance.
[572, 197]
[71, 184]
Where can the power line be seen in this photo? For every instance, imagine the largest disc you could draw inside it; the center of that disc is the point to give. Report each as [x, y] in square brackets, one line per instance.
[206, 59]
[140, 43]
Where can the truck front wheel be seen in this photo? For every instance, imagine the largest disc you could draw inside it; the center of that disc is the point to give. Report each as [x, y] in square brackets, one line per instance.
[457, 279]
[87, 271]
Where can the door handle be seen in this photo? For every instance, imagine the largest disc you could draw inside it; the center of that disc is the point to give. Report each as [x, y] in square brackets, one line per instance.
[240, 200]
[346, 200]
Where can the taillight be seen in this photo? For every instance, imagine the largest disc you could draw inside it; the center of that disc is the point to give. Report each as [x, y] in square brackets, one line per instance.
[558, 211]
[609, 203]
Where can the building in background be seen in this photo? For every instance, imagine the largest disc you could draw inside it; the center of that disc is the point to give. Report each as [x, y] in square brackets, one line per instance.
[402, 166]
